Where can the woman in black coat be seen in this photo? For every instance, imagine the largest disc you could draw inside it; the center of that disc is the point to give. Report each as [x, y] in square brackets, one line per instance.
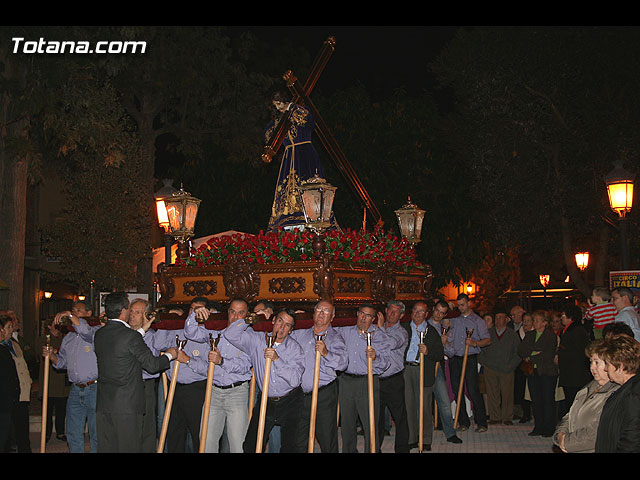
[573, 364]
[619, 427]
[539, 346]
[9, 382]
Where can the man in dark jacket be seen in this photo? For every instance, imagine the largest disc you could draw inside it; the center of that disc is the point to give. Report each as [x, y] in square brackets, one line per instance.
[433, 352]
[500, 359]
[9, 382]
[122, 355]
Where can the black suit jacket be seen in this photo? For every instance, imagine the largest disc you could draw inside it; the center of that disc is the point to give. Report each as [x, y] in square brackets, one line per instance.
[122, 355]
[573, 364]
[619, 427]
[9, 382]
[547, 345]
[435, 352]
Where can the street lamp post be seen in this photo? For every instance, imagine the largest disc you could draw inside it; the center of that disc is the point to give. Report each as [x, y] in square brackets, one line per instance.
[620, 190]
[582, 260]
[166, 191]
[544, 281]
[182, 210]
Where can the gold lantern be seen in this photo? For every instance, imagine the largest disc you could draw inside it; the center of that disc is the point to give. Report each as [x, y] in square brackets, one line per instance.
[410, 219]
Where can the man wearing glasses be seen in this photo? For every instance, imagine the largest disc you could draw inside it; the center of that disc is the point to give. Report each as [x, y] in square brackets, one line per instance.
[323, 338]
[353, 389]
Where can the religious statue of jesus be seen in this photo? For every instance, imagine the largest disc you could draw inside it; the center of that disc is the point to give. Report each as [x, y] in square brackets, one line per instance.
[300, 161]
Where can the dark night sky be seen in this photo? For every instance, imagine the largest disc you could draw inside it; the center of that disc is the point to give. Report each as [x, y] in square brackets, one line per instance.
[381, 58]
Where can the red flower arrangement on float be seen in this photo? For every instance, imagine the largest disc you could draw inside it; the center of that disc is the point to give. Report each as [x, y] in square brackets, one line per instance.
[349, 246]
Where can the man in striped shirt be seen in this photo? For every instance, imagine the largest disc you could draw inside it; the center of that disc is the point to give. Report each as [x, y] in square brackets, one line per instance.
[602, 312]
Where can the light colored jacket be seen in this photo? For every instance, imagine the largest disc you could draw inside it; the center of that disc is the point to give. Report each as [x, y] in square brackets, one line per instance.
[580, 424]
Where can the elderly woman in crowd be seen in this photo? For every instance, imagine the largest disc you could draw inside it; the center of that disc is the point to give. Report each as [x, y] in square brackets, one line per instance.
[576, 432]
[619, 428]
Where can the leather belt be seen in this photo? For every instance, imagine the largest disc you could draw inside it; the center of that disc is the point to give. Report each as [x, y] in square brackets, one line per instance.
[277, 399]
[323, 386]
[232, 385]
[355, 375]
[413, 364]
[84, 385]
[382, 379]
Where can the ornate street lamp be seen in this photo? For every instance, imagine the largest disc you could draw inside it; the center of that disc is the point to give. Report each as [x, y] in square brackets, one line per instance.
[582, 260]
[182, 210]
[163, 219]
[620, 190]
[544, 280]
[317, 204]
[410, 219]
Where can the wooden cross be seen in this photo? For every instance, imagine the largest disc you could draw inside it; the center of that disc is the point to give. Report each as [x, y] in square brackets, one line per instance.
[301, 97]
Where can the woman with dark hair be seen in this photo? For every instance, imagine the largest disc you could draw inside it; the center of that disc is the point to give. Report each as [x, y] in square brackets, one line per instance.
[619, 428]
[539, 347]
[9, 381]
[573, 365]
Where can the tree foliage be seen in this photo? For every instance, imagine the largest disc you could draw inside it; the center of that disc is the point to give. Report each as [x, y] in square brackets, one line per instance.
[541, 115]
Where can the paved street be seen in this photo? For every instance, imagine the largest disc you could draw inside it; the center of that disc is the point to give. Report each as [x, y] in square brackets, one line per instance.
[498, 439]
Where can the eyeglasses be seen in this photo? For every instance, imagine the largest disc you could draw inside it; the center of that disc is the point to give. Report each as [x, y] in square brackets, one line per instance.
[326, 311]
[365, 314]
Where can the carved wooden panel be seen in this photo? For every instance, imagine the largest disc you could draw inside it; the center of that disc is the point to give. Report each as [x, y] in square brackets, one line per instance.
[409, 286]
[351, 285]
[200, 288]
[287, 285]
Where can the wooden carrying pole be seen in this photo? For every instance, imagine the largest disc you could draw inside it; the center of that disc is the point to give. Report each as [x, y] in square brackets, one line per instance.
[314, 399]
[421, 411]
[207, 398]
[45, 397]
[462, 376]
[165, 389]
[372, 421]
[252, 393]
[169, 400]
[265, 396]
[435, 403]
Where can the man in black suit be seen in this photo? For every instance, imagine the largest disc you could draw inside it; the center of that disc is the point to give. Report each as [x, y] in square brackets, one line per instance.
[122, 355]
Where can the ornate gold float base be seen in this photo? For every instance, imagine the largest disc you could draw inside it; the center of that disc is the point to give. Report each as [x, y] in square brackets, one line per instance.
[298, 284]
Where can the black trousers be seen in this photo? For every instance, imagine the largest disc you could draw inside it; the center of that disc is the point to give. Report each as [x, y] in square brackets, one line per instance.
[186, 416]
[353, 392]
[471, 384]
[150, 419]
[326, 420]
[20, 427]
[119, 433]
[283, 411]
[392, 396]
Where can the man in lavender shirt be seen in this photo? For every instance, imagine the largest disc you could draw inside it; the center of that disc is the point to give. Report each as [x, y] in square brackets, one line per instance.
[287, 366]
[323, 338]
[77, 356]
[392, 381]
[231, 375]
[353, 382]
[186, 410]
[455, 343]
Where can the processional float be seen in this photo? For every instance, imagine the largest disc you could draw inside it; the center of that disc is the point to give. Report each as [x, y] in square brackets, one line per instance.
[298, 284]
